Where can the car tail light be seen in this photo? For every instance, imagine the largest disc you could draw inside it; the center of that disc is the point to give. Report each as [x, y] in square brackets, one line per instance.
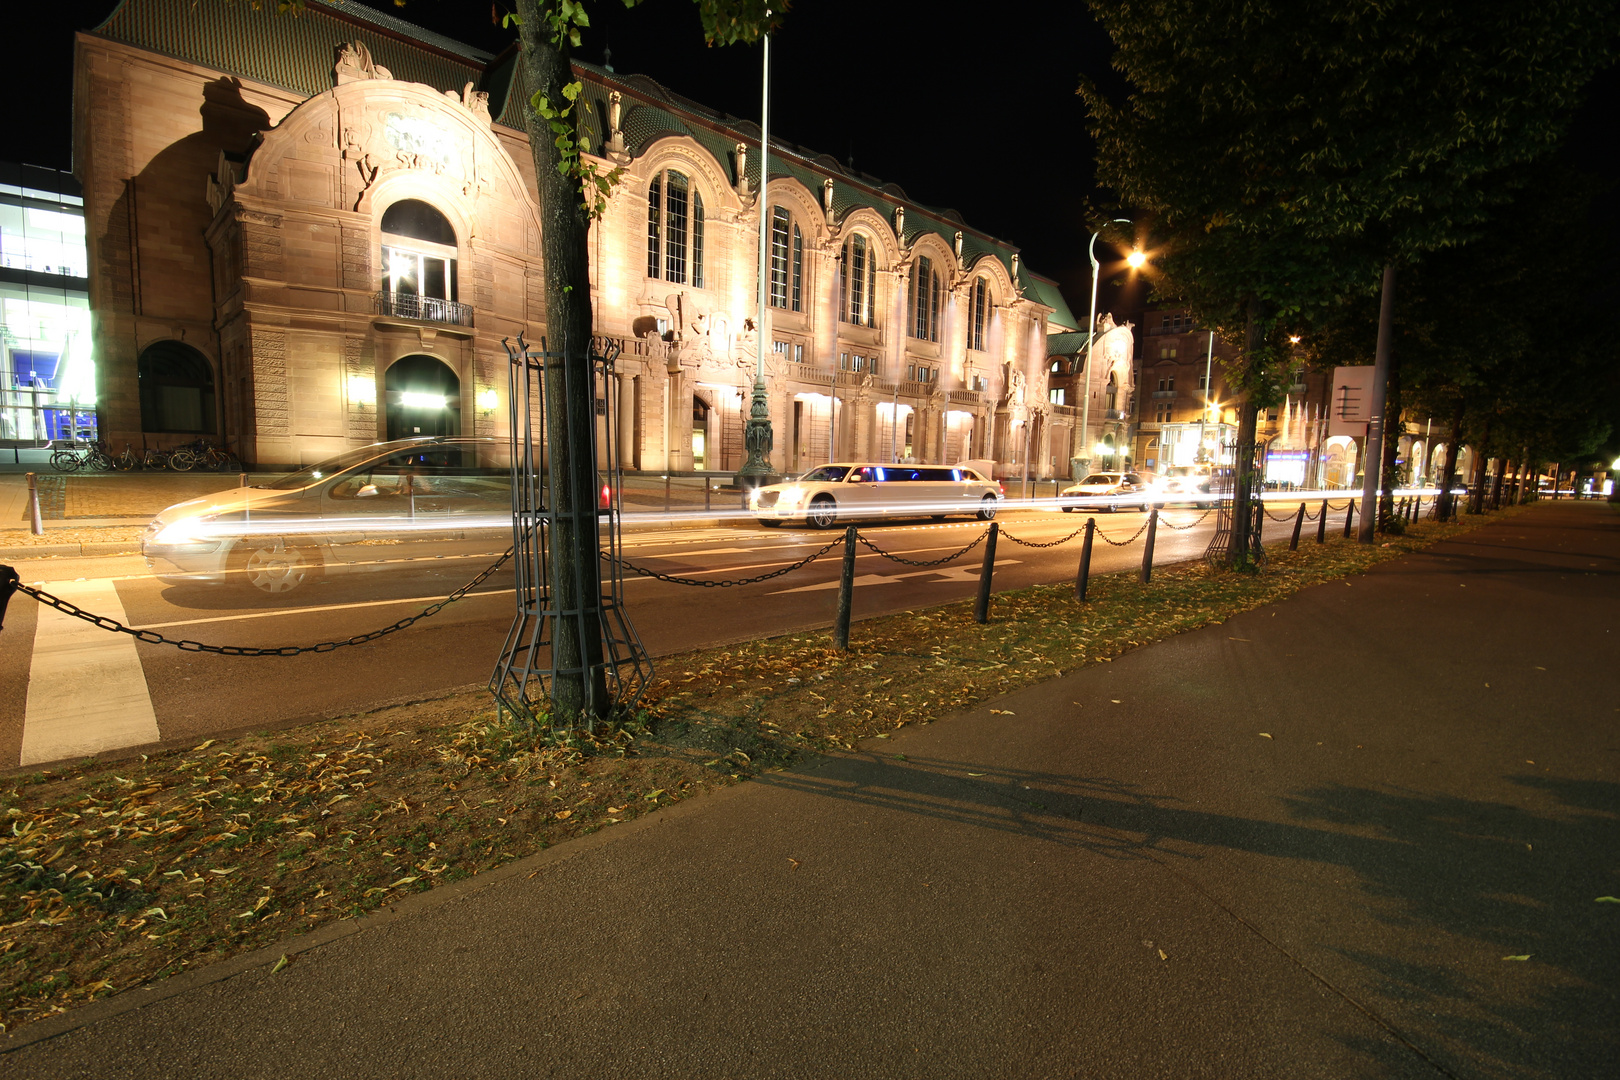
[1001, 488]
[607, 497]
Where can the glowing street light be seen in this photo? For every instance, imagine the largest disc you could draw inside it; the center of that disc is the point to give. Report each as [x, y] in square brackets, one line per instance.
[1134, 260]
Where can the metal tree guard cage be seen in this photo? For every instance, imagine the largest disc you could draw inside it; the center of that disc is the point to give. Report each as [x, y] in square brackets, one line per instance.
[1223, 486]
[587, 606]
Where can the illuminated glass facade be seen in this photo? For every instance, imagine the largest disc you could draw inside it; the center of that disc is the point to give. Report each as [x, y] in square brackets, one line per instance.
[47, 369]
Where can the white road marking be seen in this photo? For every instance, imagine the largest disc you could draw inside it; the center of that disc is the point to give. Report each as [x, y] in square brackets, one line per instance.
[86, 689]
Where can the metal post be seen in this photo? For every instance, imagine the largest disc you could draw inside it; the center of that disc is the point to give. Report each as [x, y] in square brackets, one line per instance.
[1299, 523]
[708, 490]
[1147, 547]
[846, 590]
[35, 525]
[1372, 473]
[1082, 577]
[241, 480]
[1259, 521]
[1321, 524]
[666, 493]
[1349, 516]
[981, 608]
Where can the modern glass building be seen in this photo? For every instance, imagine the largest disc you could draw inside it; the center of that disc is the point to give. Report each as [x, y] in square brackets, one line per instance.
[47, 364]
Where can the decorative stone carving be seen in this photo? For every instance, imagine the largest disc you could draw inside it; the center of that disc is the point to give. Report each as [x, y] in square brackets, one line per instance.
[615, 139]
[900, 223]
[742, 169]
[958, 245]
[354, 63]
[826, 196]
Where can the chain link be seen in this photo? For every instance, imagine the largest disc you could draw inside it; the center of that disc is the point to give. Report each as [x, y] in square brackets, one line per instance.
[1123, 543]
[1190, 525]
[1274, 517]
[1052, 543]
[673, 580]
[931, 562]
[186, 645]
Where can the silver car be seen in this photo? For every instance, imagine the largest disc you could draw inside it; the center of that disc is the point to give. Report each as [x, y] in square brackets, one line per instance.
[1106, 491]
[327, 518]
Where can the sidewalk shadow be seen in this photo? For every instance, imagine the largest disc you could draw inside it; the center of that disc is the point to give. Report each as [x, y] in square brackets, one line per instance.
[1508, 879]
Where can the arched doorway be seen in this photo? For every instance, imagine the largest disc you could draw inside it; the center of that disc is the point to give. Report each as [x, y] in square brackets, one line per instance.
[176, 389]
[423, 398]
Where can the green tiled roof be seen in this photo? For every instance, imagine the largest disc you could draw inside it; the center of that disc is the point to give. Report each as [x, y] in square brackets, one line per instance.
[1071, 343]
[294, 52]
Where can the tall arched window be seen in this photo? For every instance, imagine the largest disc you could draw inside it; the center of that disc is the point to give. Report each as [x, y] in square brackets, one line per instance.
[787, 261]
[858, 290]
[176, 389]
[418, 261]
[926, 287]
[674, 229]
[981, 314]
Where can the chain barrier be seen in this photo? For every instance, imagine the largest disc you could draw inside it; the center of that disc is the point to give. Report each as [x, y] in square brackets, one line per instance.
[1274, 517]
[1312, 517]
[1123, 543]
[186, 645]
[1163, 524]
[931, 562]
[674, 580]
[1053, 543]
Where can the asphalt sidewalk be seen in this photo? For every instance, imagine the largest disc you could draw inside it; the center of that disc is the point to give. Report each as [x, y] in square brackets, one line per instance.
[1360, 833]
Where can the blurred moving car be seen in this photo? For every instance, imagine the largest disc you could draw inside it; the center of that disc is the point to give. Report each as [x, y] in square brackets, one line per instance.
[1106, 491]
[315, 521]
[864, 489]
[1189, 483]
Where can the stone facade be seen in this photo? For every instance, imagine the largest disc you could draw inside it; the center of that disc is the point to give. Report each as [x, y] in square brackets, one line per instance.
[244, 219]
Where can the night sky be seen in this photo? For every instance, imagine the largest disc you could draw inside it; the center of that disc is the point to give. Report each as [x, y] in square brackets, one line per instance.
[981, 119]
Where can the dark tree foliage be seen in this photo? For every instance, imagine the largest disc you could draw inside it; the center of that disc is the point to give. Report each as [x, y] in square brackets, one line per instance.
[1287, 150]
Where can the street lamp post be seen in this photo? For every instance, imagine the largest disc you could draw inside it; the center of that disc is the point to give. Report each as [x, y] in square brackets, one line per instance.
[1091, 341]
[757, 436]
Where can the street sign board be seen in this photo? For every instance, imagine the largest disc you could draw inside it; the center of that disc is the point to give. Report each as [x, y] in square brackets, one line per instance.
[1350, 401]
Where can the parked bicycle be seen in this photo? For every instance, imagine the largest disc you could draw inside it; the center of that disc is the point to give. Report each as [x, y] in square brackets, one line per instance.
[127, 460]
[91, 455]
[203, 454]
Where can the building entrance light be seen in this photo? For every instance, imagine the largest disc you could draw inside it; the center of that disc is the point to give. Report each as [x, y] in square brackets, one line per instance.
[413, 400]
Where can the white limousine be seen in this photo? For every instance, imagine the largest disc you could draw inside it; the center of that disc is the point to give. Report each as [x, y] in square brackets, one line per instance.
[863, 489]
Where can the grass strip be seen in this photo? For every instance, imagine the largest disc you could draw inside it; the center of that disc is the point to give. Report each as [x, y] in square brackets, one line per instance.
[116, 874]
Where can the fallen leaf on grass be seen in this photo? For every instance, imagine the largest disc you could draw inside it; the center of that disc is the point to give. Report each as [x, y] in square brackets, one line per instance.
[1162, 955]
[1265, 734]
[283, 962]
[1526, 956]
[796, 863]
[1607, 900]
[1002, 712]
[564, 815]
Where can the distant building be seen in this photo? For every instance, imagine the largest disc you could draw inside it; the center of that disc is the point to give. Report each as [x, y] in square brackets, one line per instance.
[1186, 420]
[47, 386]
[1103, 427]
[310, 233]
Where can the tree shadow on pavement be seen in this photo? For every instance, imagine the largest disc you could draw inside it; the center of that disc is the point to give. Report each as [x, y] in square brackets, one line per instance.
[1468, 881]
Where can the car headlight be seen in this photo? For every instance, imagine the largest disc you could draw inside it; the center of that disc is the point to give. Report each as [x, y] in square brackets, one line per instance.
[185, 531]
[792, 496]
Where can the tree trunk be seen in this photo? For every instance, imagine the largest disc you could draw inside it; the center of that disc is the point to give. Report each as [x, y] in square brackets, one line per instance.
[1496, 484]
[1448, 475]
[1370, 516]
[1392, 446]
[1243, 475]
[1476, 486]
[575, 542]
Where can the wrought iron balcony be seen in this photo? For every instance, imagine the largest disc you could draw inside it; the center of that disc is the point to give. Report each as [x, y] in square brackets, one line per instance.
[423, 308]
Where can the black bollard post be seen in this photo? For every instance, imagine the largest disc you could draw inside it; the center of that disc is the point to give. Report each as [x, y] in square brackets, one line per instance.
[981, 609]
[1321, 524]
[1082, 577]
[1349, 516]
[846, 591]
[1299, 523]
[1259, 522]
[1147, 547]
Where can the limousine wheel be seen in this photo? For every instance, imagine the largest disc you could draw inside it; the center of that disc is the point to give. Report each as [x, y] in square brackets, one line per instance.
[987, 508]
[823, 512]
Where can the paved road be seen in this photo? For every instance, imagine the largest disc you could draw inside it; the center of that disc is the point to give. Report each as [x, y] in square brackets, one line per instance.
[77, 690]
[1117, 876]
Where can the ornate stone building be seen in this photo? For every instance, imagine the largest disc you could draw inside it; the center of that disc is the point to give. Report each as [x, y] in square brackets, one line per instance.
[325, 226]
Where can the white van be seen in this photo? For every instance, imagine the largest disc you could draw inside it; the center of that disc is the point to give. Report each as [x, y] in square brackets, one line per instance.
[865, 489]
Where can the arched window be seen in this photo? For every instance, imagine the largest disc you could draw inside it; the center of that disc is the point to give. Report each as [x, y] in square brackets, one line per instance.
[176, 389]
[857, 301]
[787, 261]
[418, 261]
[674, 229]
[423, 398]
[981, 314]
[926, 288]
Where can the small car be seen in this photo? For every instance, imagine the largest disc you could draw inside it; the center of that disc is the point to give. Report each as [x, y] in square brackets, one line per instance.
[1106, 491]
[276, 536]
[864, 489]
[1182, 483]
